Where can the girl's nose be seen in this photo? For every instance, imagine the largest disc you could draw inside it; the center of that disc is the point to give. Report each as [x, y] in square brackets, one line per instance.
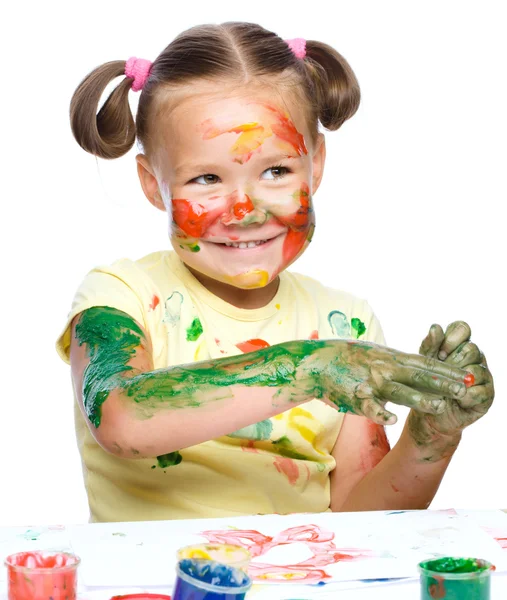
[243, 212]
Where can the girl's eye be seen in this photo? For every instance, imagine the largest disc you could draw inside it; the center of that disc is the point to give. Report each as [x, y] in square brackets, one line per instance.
[275, 172]
[207, 179]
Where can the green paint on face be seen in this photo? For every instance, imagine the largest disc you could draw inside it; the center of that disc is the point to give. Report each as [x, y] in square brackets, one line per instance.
[358, 327]
[257, 432]
[169, 460]
[111, 338]
[195, 330]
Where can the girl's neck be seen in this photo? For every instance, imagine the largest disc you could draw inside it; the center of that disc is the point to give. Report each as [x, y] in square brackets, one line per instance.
[256, 298]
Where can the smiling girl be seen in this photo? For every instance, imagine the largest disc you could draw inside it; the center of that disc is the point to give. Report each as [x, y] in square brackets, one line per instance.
[209, 380]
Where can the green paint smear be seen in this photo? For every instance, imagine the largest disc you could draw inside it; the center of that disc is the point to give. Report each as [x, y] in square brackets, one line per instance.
[455, 565]
[358, 327]
[195, 330]
[169, 460]
[111, 337]
[284, 448]
[257, 432]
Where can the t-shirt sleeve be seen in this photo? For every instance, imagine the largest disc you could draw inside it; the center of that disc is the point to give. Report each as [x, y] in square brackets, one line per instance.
[374, 332]
[103, 286]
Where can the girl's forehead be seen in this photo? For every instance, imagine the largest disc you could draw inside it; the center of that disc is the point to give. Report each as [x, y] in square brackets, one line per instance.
[201, 115]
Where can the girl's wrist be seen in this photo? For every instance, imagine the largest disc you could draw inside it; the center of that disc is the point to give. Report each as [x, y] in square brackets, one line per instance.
[429, 444]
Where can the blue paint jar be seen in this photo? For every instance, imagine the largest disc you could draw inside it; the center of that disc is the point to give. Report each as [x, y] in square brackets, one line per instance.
[199, 579]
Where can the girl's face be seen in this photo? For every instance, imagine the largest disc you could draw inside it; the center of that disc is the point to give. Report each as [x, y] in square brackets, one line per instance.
[236, 176]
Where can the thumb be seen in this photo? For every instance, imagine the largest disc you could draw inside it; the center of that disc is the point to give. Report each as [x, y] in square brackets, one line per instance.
[432, 342]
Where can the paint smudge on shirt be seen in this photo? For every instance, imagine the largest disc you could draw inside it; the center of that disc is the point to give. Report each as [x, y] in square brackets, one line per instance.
[195, 330]
[252, 345]
[287, 467]
[256, 432]
[155, 301]
[339, 323]
[358, 327]
[173, 308]
[169, 460]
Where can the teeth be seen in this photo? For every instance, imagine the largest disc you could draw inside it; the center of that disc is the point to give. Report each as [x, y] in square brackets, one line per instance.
[243, 245]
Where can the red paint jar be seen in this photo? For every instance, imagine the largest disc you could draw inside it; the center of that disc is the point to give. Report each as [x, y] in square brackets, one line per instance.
[42, 575]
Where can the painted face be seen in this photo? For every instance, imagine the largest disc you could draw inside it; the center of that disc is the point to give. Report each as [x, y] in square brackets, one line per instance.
[235, 177]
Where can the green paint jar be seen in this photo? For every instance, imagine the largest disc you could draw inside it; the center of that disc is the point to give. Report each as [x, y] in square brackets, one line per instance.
[455, 579]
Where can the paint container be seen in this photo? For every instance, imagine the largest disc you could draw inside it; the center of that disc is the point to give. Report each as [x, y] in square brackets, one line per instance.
[42, 575]
[199, 579]
[227, 554]
[452, 578]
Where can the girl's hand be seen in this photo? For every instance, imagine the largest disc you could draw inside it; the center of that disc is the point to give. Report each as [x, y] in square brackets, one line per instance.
[441, 433]
[360, 377]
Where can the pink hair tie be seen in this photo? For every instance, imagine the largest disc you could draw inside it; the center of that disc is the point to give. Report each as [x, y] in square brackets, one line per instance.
[138, 69]
[298, 47]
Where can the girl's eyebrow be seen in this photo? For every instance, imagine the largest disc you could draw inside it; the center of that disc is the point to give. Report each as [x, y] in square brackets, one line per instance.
[195, 168]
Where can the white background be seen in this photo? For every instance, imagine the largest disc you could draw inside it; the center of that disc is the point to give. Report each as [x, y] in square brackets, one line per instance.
[410, 213]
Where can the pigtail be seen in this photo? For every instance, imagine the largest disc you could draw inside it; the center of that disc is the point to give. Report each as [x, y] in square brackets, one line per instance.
[335, 86]
[111, 132]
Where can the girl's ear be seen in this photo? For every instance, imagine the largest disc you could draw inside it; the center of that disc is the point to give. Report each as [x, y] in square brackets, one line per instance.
[318, 161]
[149, 182]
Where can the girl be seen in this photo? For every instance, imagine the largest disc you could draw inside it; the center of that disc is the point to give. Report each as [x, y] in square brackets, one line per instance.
[209, 380]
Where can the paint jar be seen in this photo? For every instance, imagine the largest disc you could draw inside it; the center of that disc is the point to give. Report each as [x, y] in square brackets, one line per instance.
[42, 575]
[452, 578]
[199, 579]
[227, 554]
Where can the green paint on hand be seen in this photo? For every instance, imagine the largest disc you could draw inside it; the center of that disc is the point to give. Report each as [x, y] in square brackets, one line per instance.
[257, 432]
[358, 327]
[169, 460]
[111, 337]
[195, 330]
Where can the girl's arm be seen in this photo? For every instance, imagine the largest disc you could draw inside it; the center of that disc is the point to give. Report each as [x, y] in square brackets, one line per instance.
[369, 476]
[135, 411]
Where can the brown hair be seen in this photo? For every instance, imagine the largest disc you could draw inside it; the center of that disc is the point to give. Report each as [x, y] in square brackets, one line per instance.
[233, 52]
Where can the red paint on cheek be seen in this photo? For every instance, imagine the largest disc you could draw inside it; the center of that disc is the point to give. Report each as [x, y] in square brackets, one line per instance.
[192, 217]
[469, 380]
[293, 243]
[394, 488]
[240, 209]
[252, 345]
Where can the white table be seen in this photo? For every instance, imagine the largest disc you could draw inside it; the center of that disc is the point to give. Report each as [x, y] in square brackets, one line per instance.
[107, 550]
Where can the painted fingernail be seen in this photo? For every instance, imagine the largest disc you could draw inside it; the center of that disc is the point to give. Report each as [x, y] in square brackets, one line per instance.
[442, 355]
[469, 380]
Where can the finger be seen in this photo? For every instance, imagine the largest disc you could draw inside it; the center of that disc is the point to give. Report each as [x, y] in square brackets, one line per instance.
[457, 333]
[431, 344]
[480, 375]
[479, 397]
[465, 354]
[406, 396]
[372, 407]
[425, 380]
[432, 366]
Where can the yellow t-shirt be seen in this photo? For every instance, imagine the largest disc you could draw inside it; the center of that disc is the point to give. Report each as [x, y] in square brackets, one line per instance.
[231, 475]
